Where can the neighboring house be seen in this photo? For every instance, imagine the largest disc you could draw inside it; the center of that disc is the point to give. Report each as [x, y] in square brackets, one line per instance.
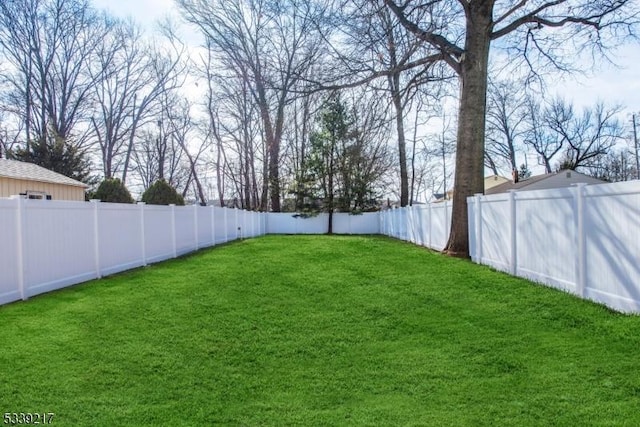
[36, 182]
[489, 182]
[564, 178]
[494, 181]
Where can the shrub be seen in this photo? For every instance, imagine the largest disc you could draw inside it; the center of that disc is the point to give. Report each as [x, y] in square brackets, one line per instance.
[112, 190]
[161, 193]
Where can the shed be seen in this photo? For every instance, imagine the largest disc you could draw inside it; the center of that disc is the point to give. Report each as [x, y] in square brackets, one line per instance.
[37, 182]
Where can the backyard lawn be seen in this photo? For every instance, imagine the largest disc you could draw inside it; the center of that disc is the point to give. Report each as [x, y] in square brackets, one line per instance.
[293, 330]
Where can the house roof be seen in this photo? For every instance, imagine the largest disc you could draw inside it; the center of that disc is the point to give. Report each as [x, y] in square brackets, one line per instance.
[30, 172]
[493, 181]
[561, 179]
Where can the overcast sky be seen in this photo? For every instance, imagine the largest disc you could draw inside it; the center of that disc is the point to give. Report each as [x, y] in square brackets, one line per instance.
[609, 84]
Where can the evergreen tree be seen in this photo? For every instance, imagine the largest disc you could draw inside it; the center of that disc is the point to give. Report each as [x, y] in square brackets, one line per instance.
[162, 193]
[340, 170]
[56, 154]
[112, 190]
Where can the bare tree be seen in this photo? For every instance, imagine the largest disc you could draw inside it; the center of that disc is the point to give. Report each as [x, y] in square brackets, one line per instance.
[391, 53]
[617, 165]
[269, 44]
[538, 136]
[463, 33]
[587, 136]
[49, 44]
[506, 124]
[132, 76]
[10, 130]
[233, 127]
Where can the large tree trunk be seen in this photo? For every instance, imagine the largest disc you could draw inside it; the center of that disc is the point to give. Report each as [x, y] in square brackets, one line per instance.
[402, 145]
[273, 149]
[471, 123]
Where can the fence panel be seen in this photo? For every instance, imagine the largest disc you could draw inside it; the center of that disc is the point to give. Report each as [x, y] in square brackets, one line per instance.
[9, 251]
[612, 244]
[366, 223]
[313, 225]
[233, 222]
[545, 237]
[280, 223]
[205, 236]
[582, 239]
[185, 229]
[59, 241]
[425, 225]
[495, 232]
[220, 224]
[420, 218]
[47, 245]
[245, 228]
[158, 233]
[440, 223]
[119, 237]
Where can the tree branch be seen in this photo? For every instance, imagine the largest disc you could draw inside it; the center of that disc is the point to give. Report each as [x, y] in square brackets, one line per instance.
[451, 53]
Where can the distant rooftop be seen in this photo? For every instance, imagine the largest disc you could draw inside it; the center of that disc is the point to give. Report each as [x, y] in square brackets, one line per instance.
[561, 179]
[30, 172]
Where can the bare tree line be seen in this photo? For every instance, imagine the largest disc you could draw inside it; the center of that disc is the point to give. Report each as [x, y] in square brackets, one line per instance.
[265, 71]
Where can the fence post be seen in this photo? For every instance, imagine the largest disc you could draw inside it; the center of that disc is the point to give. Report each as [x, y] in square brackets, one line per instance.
[421, 221]
[580, 236]
[447, 222]
[96, 235]
[512, 232]
[252, 218]
[478, 219]
[173, 230]
[430, 227]
[142, 236]
[226, 229]
[195, 225]
[213, 226]
[410, 231]
[235, 216]
[20, 245]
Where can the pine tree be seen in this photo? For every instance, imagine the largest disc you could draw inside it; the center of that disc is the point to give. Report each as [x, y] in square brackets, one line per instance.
[58, 155]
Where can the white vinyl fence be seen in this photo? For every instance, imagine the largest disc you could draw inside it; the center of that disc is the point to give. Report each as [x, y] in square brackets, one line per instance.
[424, 225]
[584, 239]
[47, 245]
[343, 223]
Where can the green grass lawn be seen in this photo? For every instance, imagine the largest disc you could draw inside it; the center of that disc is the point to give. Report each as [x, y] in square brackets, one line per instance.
[292, 330]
